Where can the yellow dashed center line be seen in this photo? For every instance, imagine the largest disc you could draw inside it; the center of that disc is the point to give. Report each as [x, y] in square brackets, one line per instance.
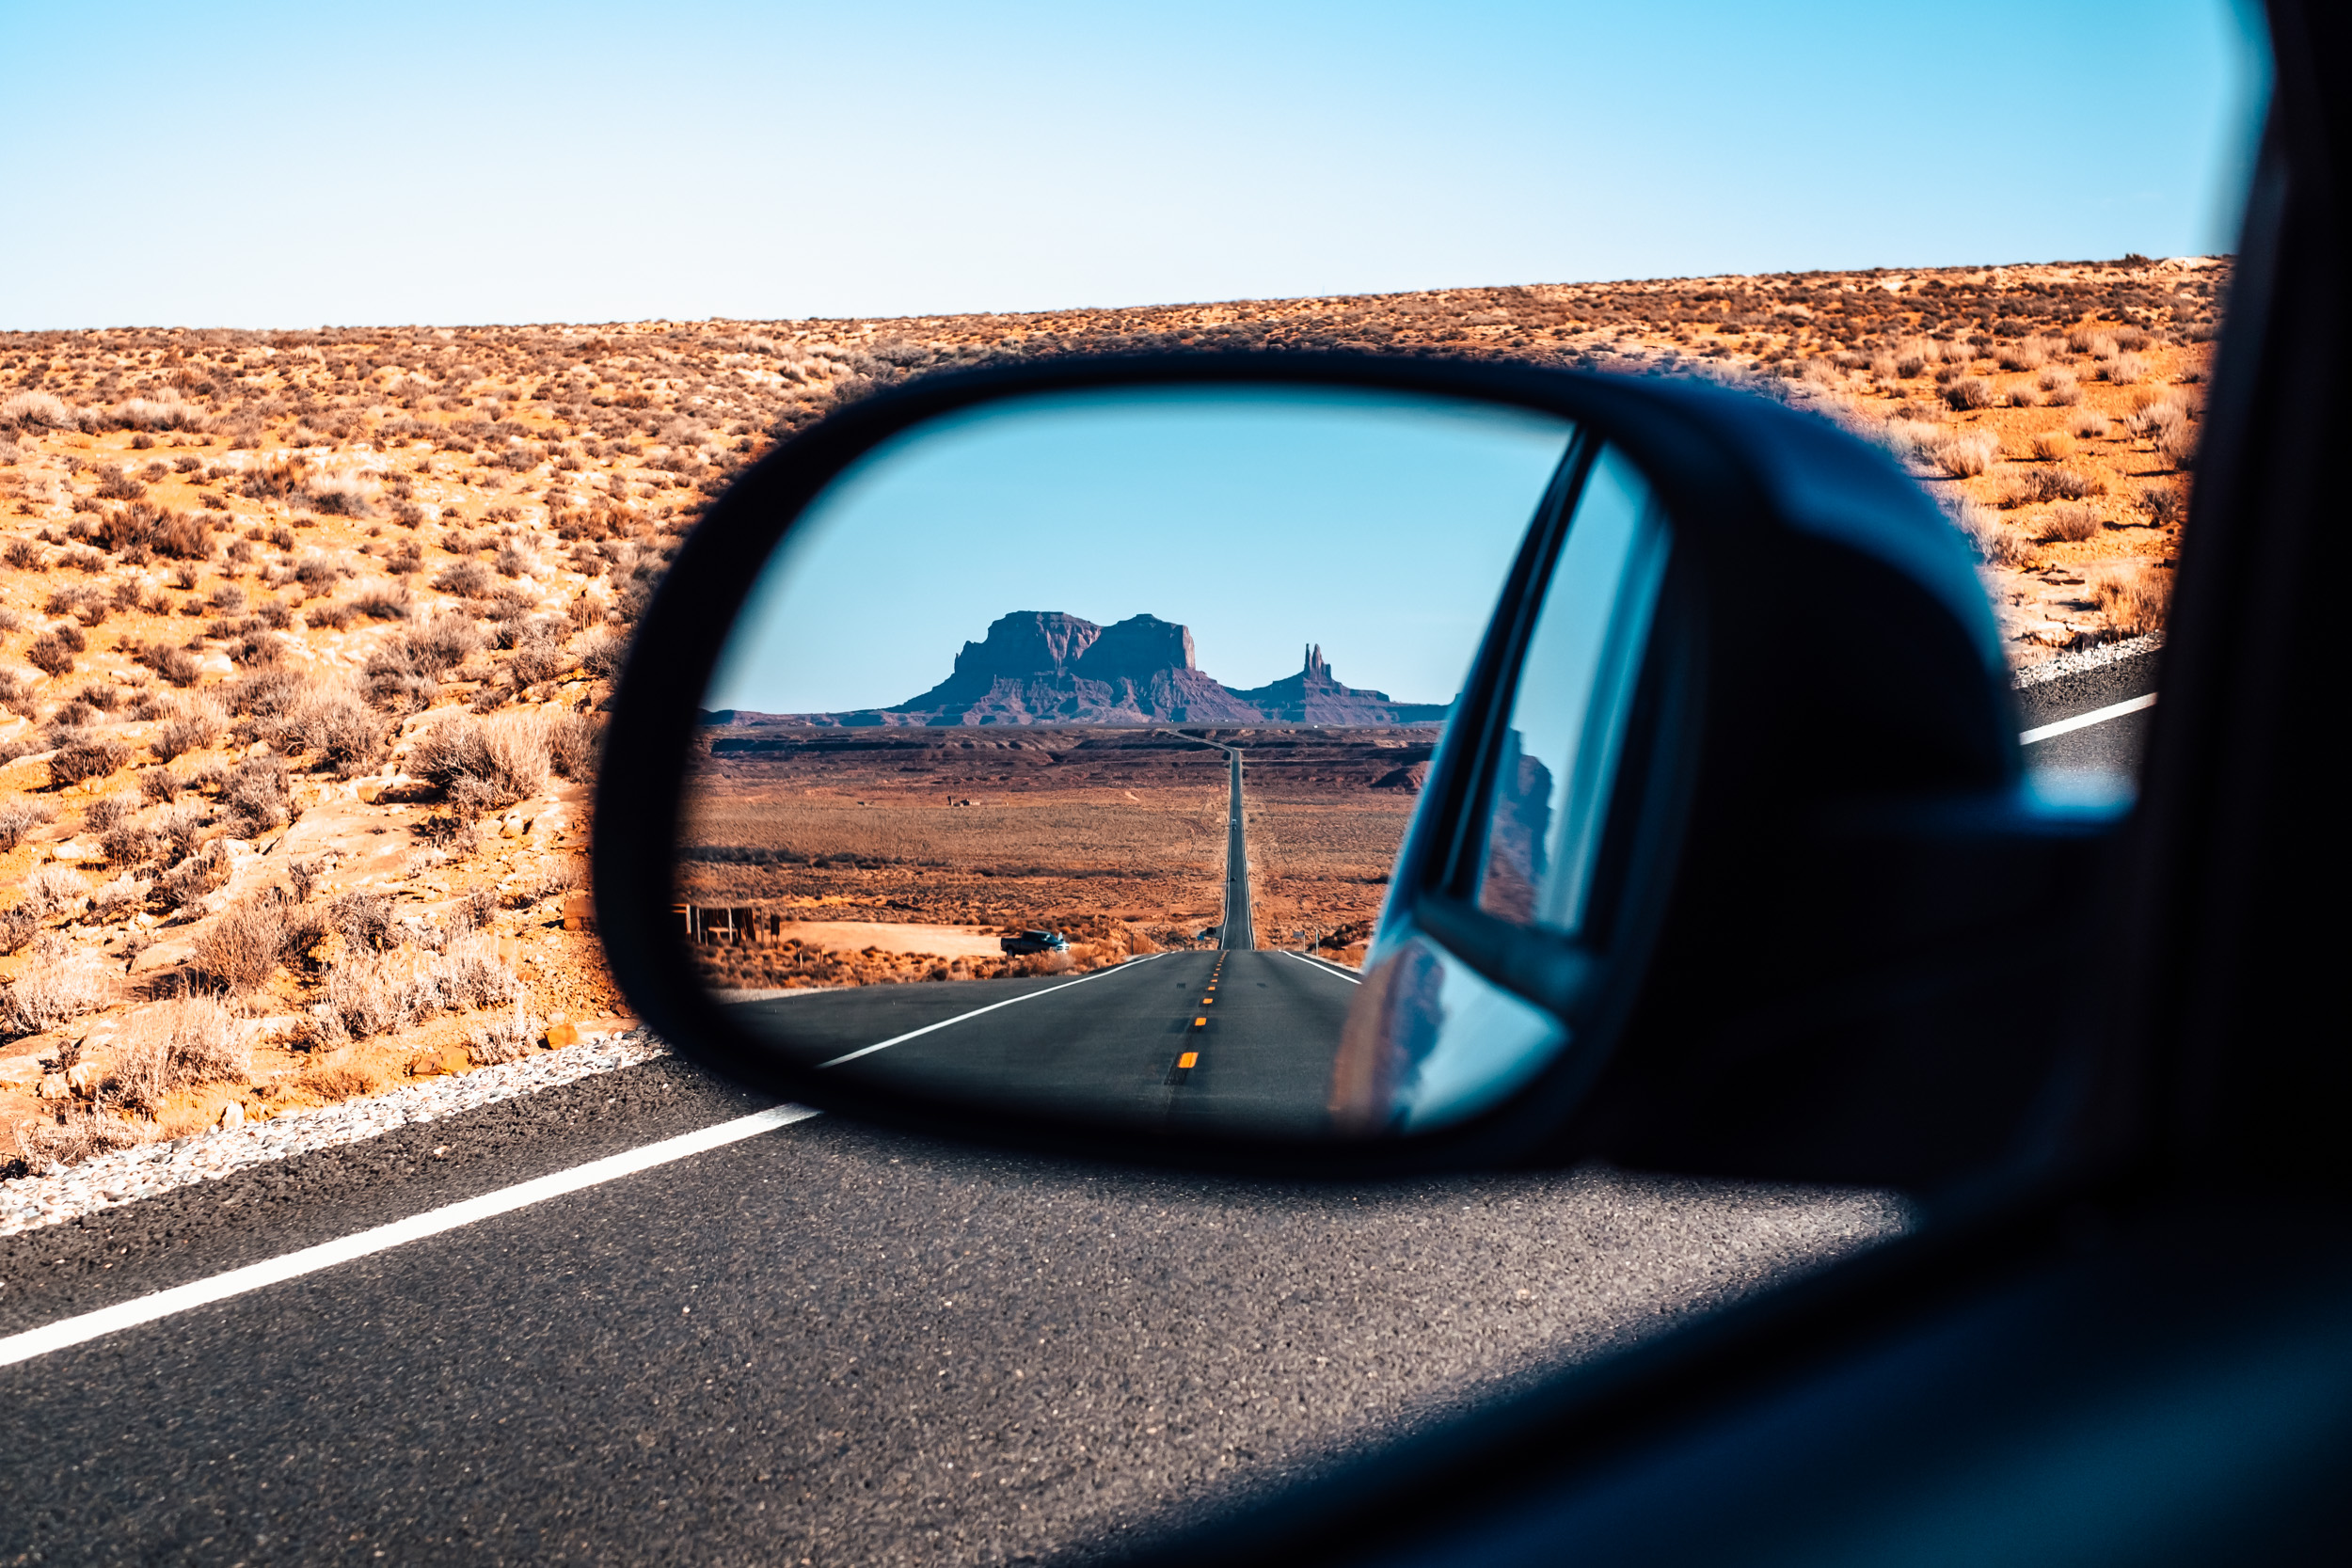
[1185, 1062]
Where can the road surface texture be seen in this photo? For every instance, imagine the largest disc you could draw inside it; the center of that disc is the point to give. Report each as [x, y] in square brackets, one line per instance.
[2090, 717]
[826, 1343]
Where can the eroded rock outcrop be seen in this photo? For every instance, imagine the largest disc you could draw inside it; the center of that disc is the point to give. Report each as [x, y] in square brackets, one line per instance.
[1046, 666]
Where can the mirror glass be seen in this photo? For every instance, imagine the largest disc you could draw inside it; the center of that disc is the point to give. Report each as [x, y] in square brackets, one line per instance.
[1060, 756]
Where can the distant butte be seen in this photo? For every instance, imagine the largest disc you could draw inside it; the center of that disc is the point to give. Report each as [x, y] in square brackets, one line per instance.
[1044, 667]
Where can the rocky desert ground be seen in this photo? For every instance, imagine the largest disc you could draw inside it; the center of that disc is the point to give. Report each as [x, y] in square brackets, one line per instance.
[305, 638]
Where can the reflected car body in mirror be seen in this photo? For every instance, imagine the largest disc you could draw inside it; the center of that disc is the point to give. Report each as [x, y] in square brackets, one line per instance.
[1014, 652]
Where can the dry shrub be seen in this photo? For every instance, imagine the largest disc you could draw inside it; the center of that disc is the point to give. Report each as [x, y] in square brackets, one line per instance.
[106, 811]
[2088, 425]
[334, 724]
[1969, 391]
[405, 671]
[2058, 387]
[506, 1039]
[502, 759]
[73, 1134]
[2176, 438]
[571, 745]
[601, 654]
[61, 984]
[1994, 541]
[54, 890]
[335, 1081]
[2165, 505]
[2124, 369]
[2072, 522]
[51, 652]
[2020, 396]
[161, 786]
[36, 411]
[194, 876]
[17, 928]
[18, 817]
[121, 896]
[2051, 446]
[198, 726]
[257, 796]
[1964, 456]
[340, 496]
[174, 1045]
[368, 994]
[244, 947]
[2068, 484]
[90, 757]
[128, 843]
[2026, 354]
[2134, 598]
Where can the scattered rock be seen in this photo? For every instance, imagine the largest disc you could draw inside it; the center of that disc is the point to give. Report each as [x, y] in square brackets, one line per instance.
[233, 1115]
[54, 1087]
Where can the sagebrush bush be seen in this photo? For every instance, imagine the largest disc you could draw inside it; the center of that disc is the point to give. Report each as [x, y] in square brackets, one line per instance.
[1969, 391]
[504, 759]
[182, 1044]
[2051, 446]
[243, 946]
[2124, 369]
[61, 983]
[2072, 522]
[1964, 456]
[88, 757]
[505, 1040]
[198, 726]
[2133, 598]
[2087, 424]
[18, 817]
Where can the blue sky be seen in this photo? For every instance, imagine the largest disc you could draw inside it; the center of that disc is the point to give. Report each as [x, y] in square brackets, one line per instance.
[299, 165]
[1380, 526]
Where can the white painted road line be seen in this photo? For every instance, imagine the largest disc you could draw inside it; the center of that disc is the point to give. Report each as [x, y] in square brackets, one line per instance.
[1323, 967]
[203, 1292]
[1011, 1001]
[2084, 720]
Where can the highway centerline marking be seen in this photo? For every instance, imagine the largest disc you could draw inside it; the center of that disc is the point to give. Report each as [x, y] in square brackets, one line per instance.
[433, 1222]
[1029, 996]
[1322, 968]
[2084, 720]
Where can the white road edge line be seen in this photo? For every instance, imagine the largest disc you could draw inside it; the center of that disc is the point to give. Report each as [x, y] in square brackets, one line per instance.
[1322, 968]
[203, 1292]
[2084, 720]
[1031, 996]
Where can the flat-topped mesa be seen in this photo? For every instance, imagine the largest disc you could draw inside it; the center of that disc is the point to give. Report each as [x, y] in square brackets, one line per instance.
[1046, 666]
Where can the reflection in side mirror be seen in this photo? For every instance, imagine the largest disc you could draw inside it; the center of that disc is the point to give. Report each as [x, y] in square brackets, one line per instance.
[1014, 788]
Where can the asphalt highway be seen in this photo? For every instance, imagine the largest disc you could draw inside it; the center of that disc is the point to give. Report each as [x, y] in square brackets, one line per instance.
[825, 1344]
[1223, 1036]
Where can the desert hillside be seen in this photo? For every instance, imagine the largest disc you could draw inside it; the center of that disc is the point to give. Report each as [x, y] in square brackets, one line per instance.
[305, 636]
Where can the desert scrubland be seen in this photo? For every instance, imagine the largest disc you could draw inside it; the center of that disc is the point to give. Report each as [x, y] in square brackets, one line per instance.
[306, 638]
[1115, 837]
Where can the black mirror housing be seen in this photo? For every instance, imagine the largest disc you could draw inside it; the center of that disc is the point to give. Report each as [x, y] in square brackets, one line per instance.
[1823, 713]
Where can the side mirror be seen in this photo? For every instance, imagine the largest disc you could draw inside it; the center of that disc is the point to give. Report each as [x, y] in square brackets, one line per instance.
[1683, 824]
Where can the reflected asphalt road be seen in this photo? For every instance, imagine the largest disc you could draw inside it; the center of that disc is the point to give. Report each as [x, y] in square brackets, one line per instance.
[1227, 1037]
[1238, 933]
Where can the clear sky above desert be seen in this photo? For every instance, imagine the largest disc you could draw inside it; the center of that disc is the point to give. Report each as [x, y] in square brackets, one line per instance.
[299, 165]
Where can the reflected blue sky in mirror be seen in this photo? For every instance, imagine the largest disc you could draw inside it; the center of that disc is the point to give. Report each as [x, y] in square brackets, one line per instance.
[1375, 525]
